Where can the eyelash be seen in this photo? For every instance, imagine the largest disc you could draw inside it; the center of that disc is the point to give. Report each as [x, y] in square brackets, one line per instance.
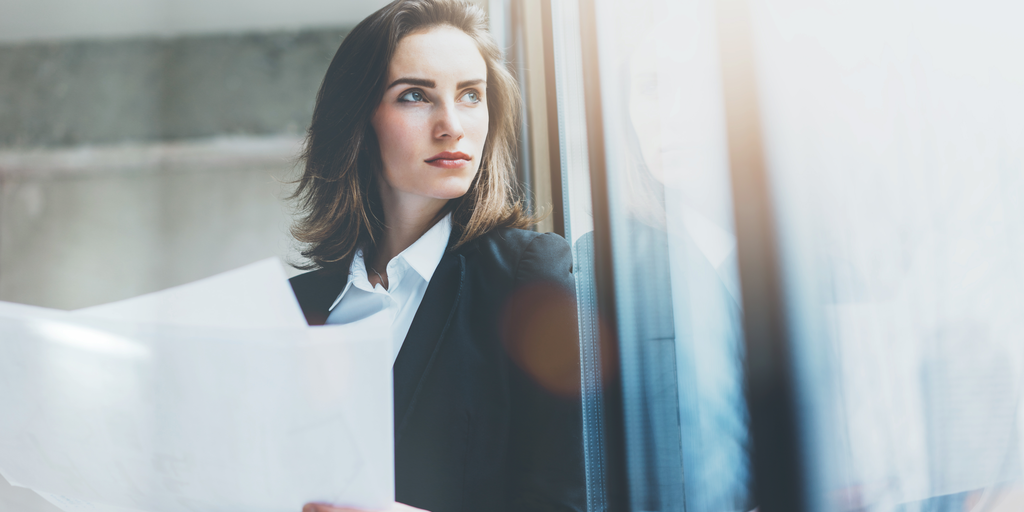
[410, 92]
[423, 96]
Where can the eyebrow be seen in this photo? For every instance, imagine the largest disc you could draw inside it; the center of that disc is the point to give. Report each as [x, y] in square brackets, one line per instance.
[430, 84]
[467, 83]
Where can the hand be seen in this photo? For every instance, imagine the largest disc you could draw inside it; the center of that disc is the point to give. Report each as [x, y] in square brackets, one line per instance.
[322, 507]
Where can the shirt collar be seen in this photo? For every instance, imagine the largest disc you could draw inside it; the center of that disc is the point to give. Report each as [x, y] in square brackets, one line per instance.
[423, 256]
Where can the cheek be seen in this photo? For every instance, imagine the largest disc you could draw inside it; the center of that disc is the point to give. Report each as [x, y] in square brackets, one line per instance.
[476, 128]
[396, 135]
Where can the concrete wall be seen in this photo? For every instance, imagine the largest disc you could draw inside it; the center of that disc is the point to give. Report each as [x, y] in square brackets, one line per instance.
[52, 20]
[85, 226]
[132, 165]
[145, 89]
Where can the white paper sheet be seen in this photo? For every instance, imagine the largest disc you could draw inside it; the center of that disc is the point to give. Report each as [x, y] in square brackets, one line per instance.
[72, 505]
[109, 415]
[256, 296]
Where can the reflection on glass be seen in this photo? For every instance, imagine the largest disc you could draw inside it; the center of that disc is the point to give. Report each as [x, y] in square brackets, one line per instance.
[579, 227]
[893, 134]
[674, 249]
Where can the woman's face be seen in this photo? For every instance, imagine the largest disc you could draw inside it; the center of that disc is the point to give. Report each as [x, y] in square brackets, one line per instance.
[432, 122]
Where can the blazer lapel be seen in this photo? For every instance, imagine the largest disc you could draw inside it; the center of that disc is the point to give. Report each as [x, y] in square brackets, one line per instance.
[316, 291]
[428, 328]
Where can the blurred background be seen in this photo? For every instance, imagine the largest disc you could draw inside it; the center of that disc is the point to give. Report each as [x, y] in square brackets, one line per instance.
[145, 144]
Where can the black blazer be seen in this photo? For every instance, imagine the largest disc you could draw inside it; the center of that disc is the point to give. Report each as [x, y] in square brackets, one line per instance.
[487, 411]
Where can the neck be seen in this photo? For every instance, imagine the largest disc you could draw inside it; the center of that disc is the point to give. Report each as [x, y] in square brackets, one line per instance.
[406, 219]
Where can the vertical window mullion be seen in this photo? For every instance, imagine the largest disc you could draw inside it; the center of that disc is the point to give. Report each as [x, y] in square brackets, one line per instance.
[777, 459]
[633, 290]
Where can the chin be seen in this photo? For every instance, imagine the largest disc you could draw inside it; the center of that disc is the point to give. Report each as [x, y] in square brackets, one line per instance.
[451, 188]
[451, 194]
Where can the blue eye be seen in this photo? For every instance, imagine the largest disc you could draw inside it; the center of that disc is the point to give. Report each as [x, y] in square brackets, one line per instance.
[413, 96]
[472, 97]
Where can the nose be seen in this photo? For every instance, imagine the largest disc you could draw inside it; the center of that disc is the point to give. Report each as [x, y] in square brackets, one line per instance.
[447, 124]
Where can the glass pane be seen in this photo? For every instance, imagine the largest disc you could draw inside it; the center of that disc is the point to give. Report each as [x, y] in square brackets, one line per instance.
[893, 133]
[673, 248]
[579, 227]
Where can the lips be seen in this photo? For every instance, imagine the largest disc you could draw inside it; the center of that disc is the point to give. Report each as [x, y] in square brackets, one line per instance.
[449, 160]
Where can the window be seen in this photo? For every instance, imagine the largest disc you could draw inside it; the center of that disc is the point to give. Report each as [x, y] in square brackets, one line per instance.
[798, 240]
[650, 194]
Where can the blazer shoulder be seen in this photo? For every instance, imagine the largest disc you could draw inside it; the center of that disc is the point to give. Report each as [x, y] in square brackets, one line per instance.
[512, 240]
[506, 240]
[523, 256]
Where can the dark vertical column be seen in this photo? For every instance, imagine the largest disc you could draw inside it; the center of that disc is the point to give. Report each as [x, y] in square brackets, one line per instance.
[517, 65]
[632, 275]
[777, 459]
[554, 148]
[617, 488]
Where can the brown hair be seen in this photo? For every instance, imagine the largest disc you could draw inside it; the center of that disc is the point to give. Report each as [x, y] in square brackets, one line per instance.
[337, 196]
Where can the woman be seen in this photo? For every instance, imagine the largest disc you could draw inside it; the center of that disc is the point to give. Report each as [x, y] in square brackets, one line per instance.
[408, 208]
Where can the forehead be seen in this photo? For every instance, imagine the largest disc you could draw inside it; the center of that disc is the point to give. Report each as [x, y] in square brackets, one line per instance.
[438, 53]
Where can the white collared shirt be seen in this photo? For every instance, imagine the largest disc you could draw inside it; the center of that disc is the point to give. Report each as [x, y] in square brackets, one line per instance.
[409, 274]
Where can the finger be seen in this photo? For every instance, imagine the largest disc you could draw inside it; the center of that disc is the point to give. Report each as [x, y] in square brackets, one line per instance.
[323, 507]
[402, 507]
